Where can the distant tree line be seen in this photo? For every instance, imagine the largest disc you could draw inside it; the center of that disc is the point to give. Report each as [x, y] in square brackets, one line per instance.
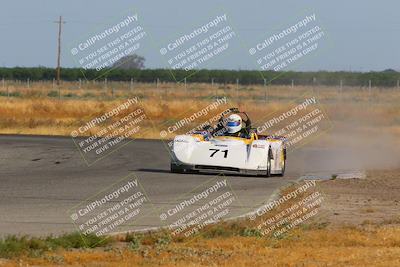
[246, 77]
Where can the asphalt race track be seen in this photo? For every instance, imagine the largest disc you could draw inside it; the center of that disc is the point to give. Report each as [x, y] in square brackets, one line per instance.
[42, 178]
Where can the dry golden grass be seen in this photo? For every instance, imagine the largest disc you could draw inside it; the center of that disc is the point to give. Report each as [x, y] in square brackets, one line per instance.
[370, 246]
[34, 112]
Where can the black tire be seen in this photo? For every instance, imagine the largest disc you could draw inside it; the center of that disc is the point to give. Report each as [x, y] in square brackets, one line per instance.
[176, 168]
[283, 169]
[284, 164]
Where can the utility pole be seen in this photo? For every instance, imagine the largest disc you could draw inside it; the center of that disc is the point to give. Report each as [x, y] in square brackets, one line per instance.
[59, 22]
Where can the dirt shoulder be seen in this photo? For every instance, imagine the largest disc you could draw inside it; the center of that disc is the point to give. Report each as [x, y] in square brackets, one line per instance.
[375, 199]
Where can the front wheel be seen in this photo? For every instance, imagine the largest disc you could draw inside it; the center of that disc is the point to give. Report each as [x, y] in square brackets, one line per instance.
[176, 168]
[283, 164]
[268, 174]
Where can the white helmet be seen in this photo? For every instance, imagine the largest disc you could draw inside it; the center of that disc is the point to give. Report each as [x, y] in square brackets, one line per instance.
[234, 124]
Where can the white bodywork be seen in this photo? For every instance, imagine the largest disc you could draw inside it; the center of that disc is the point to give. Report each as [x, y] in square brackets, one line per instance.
[229, 154]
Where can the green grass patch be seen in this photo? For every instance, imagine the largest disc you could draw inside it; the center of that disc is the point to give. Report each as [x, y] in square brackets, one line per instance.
[14, 246]
[70, 95]
[53, 94]
[11, 94]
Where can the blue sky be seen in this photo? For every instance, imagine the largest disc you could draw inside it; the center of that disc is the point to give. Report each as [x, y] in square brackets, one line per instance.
[360, 35]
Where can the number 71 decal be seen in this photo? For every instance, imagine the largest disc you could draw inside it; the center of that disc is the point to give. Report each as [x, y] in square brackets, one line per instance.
[217, 150]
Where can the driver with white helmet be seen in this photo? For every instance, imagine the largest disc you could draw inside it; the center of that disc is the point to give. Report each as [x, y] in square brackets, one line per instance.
[235, 126]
